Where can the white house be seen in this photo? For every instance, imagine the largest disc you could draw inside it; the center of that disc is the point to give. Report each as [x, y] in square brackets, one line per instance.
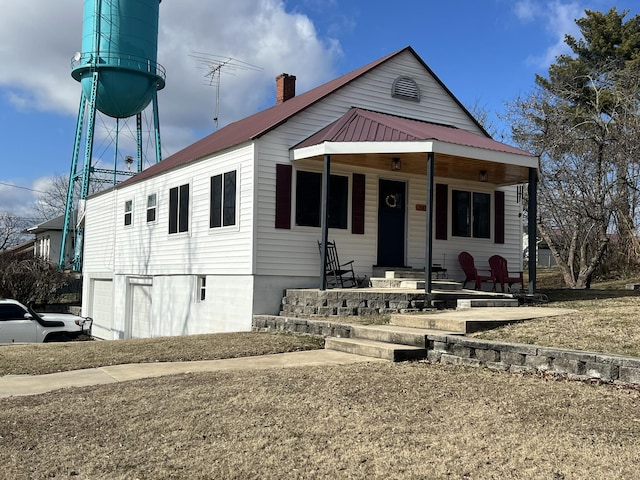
[48, 237]
[212, 235]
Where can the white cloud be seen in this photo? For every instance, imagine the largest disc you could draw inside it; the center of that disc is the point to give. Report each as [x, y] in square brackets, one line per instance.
[558, 19]
[38, 39]
[524, 10]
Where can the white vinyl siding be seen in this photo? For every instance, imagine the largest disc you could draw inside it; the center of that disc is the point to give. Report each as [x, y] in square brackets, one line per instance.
[294, 252]
[148, 249]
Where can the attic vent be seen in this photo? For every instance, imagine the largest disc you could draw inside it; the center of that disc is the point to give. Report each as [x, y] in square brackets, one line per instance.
[405, 88]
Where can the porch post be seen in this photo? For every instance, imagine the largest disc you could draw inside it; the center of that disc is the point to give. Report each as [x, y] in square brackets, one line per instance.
[428, 257]
[324, 225]
[533, 215]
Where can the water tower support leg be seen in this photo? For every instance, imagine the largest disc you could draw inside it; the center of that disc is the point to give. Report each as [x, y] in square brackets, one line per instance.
[86, 173]
[115, 152]
[156, 125]
[139, 139]
[66, 230]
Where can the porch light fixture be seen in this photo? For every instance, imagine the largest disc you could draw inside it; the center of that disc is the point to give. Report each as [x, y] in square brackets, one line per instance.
[483, 176]
[396, 164]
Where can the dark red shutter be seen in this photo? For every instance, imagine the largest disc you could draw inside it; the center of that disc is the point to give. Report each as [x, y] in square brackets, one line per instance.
[357, 204]
[283, 195]
[499, 217]
[442, 209]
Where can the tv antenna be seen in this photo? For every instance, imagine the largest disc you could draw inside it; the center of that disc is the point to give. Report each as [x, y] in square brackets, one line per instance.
[214, 64]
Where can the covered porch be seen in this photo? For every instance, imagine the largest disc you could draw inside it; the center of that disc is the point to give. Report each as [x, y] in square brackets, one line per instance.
[376, 141]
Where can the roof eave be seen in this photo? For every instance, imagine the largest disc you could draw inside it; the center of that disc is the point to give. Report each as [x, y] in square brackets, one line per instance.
[416, 146]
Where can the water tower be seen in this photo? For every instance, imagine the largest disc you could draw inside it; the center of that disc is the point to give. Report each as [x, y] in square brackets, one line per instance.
[119, 75]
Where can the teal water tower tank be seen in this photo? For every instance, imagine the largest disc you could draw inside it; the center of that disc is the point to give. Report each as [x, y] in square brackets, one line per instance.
[119, 76]
[120, 40]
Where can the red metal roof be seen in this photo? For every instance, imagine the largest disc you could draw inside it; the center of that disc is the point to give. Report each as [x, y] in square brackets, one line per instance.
[359, 125]
[256, 125]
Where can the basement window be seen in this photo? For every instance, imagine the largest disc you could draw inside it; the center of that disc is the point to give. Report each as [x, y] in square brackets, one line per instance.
[405, 88]
[201, 292]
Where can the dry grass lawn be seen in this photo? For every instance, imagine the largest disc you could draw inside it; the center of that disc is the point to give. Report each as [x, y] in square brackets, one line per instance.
[58, 357]
[411, 420]
[393, 421]
[607, 319]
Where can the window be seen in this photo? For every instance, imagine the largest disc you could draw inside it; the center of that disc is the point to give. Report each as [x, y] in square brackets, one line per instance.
[471, 214]
[10, 311]
[223, 200]
[308, 200]
[151, 207]
[128, 212]
[179, 209]
[202, 289]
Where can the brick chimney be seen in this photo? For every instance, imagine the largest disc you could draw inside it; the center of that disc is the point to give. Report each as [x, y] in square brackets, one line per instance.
[285, 87]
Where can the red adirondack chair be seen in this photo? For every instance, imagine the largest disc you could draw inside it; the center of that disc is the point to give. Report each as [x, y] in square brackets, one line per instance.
[501, 273]
[471, 272]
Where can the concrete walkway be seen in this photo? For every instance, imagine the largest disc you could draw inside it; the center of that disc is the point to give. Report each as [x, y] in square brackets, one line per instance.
[14, 385]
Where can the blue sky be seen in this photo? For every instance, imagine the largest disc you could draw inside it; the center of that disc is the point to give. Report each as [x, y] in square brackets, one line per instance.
[486, 51]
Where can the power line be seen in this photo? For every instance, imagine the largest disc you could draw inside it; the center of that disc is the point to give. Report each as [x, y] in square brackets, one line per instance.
[23, 188]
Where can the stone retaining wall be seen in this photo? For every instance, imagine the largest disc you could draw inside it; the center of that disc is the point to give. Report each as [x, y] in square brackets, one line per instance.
[461, 350]
[272, 323]
[310, 302]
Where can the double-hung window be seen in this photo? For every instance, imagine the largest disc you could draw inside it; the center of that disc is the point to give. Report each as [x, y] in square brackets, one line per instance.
[471, 214]
[128, 213]
[179, 209]
[223, 200]
[308, 200]
[152, 203]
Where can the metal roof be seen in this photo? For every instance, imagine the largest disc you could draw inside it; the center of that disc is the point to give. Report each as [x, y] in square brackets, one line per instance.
[359, 125]
[256, 125]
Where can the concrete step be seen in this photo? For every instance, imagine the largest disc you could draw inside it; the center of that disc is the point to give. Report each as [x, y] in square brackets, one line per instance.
[396, 334]
[465, 303]
[432, 322]
[371, 348]
[405, 274]
[378, 282]
[462, 321]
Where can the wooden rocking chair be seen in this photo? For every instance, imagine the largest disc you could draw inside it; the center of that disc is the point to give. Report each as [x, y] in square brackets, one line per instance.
[471, 272]
[501, 274]
[337, 274]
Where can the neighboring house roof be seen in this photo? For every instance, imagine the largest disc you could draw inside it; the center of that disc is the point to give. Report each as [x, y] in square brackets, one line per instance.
[254, 126]
[22, 250]
[359, 125]
[53, 224]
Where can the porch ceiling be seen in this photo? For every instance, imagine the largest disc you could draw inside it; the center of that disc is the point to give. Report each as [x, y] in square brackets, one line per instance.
[367, 139]
[446, 166]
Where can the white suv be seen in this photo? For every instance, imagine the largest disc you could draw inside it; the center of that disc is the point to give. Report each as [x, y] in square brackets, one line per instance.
[20, 324]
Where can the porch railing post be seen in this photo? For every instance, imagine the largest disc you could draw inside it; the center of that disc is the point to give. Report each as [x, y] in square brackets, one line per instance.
[324, 225]
[429, 246]
[531, 229]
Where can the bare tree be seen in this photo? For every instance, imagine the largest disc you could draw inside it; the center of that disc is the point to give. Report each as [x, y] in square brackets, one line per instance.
[583, 122]
[11, 228]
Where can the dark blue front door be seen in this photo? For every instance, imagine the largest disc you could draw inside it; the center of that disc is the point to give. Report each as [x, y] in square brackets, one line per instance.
[391, 222]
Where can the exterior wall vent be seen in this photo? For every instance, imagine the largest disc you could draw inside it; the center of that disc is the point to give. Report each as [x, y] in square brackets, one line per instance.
[405, 88]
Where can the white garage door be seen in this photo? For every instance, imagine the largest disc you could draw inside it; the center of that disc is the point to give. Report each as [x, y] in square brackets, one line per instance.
[140, 311]
[102, 308]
